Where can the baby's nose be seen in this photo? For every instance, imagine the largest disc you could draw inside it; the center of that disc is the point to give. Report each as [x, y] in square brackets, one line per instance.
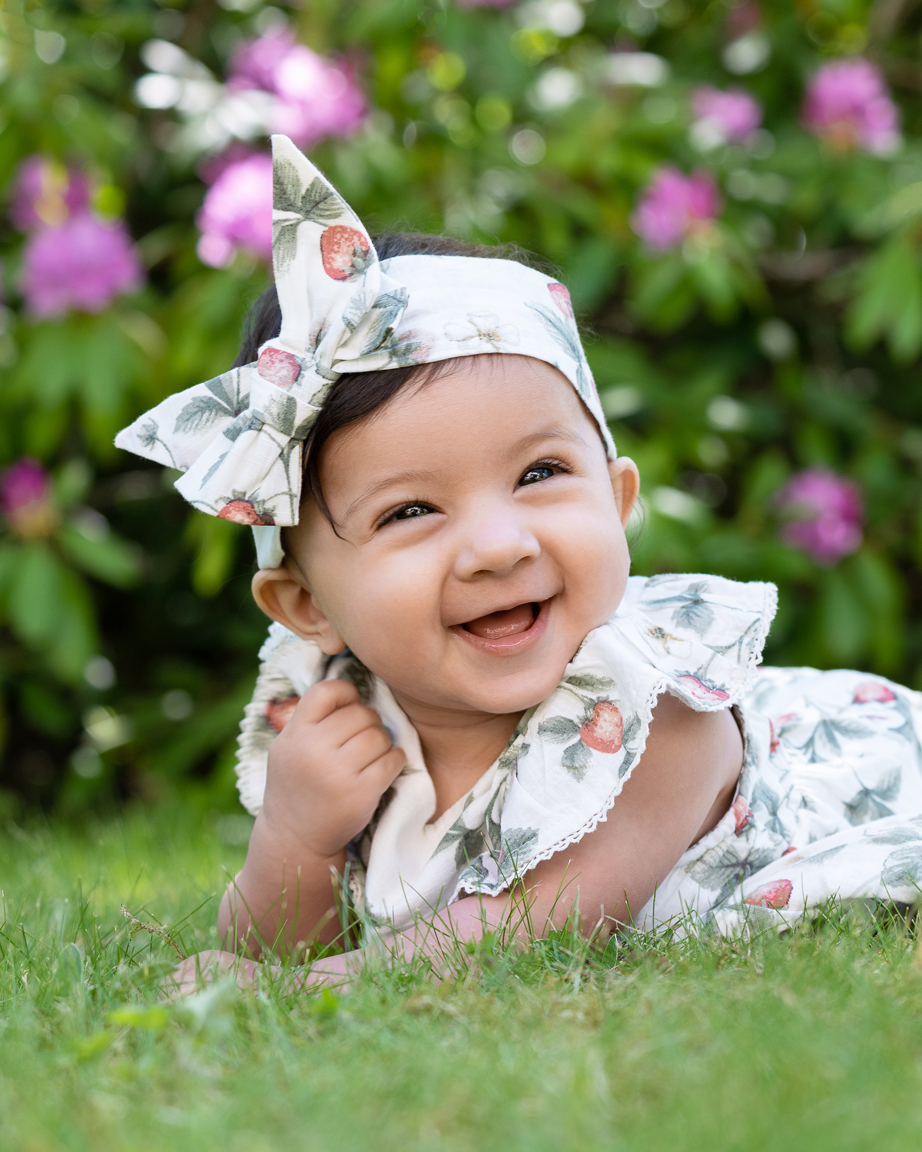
[494, 545]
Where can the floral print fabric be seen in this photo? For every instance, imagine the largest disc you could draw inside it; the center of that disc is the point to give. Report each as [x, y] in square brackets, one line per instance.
[698, 637]
[238, 438]
[829, 805]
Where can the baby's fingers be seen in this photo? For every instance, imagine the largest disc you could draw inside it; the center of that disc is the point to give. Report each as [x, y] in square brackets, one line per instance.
[323, 699]
[365, 747]
[384, 771]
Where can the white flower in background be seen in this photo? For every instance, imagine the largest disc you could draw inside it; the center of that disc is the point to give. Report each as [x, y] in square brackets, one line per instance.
[643, 69]
[555, 88]
[562, 17]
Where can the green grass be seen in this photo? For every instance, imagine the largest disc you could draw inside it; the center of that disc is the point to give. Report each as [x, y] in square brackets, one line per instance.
[810, 1042]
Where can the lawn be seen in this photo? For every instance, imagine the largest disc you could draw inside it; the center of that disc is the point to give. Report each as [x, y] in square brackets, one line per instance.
[813, 1041]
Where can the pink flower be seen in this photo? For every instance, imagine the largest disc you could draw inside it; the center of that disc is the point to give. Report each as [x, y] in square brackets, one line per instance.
[824, 513]
[254, 62]
[873, 692]
[82, 264]
[732, 115]
[316, 97]
[674, 206]
[848, 105]
[25, 498]
[237, 212]
[44, 192]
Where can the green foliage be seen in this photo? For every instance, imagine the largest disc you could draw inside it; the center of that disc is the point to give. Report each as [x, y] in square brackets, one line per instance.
[806, 1042]
[784, 336]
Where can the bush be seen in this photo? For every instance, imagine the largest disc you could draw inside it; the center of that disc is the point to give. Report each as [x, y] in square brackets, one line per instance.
[733, 195]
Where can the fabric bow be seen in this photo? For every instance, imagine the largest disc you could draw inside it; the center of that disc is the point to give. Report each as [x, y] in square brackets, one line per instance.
[238, 437]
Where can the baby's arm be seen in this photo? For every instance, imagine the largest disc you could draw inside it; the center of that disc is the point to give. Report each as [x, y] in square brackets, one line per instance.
[679, 790]
[327, 772]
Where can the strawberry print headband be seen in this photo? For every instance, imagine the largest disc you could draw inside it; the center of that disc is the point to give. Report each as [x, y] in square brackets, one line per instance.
[238, 438]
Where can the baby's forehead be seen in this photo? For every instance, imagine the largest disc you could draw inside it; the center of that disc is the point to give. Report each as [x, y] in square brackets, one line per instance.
[501, 396]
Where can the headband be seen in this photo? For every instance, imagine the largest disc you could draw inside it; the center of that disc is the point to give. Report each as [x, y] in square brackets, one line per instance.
[238, 438]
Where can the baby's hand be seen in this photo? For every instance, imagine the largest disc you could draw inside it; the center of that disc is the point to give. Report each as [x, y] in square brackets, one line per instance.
[328, 769]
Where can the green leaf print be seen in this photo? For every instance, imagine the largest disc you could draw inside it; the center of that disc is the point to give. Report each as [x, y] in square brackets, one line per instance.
[201, 412]
[516, 853]
[560, 729]
[355, 672]
[589, 682]
[903, 868]
[725, 866]
[576, 759]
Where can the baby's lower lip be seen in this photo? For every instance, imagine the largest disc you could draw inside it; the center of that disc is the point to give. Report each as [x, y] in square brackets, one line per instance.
[516, 638]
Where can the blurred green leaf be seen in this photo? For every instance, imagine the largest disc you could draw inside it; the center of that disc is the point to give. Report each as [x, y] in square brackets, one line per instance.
[889, 300]
[110, 559]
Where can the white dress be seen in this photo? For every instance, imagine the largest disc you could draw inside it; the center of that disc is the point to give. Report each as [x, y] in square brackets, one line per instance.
[829, 801]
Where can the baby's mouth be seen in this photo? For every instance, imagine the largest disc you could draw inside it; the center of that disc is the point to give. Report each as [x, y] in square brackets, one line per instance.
[499, 625]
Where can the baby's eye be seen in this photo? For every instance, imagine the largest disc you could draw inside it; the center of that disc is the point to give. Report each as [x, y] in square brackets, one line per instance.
[409, 511]
[537, 473]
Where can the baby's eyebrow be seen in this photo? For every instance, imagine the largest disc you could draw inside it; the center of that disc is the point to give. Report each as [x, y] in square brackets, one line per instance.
[414, 476]
[556, 433]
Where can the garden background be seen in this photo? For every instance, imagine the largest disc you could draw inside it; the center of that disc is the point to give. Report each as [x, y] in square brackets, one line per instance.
[732, 193]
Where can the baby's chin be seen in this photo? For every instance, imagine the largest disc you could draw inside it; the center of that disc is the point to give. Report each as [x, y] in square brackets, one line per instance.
[496, 698]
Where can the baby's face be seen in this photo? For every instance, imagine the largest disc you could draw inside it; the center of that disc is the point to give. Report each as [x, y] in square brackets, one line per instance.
[480, 536]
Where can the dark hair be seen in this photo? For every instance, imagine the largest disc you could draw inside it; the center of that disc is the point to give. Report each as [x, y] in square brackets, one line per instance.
[356, 395]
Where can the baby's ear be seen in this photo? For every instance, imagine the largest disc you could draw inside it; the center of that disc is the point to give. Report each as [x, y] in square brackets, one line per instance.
[625, 483]
[283, 597]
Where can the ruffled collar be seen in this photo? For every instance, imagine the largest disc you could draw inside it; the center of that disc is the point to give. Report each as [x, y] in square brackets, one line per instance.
[696, 637]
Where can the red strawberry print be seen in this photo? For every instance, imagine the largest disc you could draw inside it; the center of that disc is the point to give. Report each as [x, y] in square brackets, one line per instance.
[344, 251]
[243, 512]
[774, 895]
[702, 691]
[278, 367]
[741, 814]
[775, 743]
[873, 692]
[788, 851]
[279, 710]
[561, 298]
[604, 730]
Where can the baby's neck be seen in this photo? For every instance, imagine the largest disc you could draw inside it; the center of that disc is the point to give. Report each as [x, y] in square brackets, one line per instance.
[458, 746]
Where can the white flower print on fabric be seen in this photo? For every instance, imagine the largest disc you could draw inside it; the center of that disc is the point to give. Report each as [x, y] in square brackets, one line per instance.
[483, 328]
[238, 438]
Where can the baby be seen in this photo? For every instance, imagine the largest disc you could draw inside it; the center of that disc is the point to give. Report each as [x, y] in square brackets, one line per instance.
[465, 701]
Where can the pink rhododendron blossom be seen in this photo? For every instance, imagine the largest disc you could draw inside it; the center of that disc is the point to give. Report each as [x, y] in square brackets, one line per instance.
[253, 62]
[674, 206]
[82, 264]
[316, 97]
[733, 115]
[237, 212]
[848, 105]
[824, 514]
[25, 499]
[44, 192]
